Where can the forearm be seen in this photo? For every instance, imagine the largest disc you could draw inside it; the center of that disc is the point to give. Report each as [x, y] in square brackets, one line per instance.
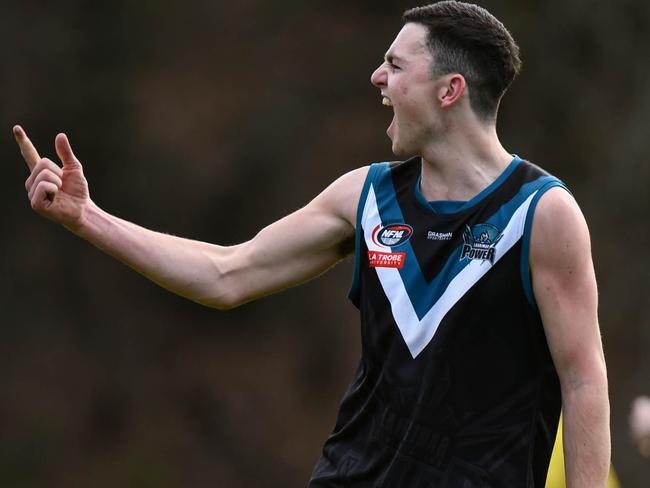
[193, 269]
[586, 434]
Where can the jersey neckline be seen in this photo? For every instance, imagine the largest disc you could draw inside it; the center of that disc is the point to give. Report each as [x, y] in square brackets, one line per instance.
[450, 207]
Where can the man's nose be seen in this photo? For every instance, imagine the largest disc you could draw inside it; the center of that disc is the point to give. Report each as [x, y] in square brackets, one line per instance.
[378, 78]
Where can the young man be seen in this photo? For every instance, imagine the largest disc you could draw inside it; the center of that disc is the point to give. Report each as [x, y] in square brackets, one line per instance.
[473, 276]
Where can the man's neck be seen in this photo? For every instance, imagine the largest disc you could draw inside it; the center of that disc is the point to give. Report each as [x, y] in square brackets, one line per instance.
[462, 165]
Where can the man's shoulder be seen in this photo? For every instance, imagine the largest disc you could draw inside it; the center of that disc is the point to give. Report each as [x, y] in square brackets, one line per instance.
[385, 169]
[534, 168]
[556, 209]
[343, 195]
[560, 232]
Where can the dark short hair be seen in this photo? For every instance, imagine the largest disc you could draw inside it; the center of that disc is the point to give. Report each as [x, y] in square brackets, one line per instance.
[467, 39]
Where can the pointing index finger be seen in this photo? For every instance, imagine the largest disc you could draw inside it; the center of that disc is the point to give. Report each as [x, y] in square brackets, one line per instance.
[27, 149]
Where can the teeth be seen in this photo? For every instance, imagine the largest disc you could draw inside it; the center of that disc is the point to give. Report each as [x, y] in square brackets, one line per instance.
[386, 102]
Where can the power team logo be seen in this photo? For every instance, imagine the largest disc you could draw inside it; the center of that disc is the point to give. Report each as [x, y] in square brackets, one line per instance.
[392, 235]
[480, 241]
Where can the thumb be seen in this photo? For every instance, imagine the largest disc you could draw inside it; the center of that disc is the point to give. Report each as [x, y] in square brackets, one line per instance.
[64, 151]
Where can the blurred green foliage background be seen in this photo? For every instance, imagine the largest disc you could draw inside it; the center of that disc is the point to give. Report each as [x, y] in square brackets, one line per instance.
[211, 119]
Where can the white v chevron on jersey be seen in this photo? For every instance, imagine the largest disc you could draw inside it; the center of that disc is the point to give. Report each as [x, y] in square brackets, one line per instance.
[418, 333]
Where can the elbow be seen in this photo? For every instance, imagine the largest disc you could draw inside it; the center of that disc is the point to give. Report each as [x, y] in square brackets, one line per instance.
[224, 291]
[590, 387]
[227, 295]
[584, 369]
[223, 305]
[218, 304]
[223, 301]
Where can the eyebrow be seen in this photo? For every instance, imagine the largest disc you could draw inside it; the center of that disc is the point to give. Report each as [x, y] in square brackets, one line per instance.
[390, 57]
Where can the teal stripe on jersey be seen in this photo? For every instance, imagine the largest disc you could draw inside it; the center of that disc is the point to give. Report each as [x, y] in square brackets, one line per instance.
[549, 182]
[353, 294]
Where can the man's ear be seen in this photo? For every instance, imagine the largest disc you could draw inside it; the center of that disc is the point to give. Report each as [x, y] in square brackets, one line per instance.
[452, 89]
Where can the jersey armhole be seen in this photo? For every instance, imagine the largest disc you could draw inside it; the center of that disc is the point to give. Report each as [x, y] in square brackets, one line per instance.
[526, 279]
[353, 294]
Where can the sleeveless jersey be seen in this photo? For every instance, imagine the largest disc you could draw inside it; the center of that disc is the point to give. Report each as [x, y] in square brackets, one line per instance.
[456, 387]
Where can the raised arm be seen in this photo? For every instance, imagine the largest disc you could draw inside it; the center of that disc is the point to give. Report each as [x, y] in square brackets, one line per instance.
[287, 252]
[565, 290]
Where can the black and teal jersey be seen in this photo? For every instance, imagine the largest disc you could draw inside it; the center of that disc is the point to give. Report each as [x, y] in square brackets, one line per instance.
[456, 386]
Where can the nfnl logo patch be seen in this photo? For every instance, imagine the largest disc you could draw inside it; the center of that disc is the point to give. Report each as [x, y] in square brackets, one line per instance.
[480, 241]
[378, 259]
[392, 235]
